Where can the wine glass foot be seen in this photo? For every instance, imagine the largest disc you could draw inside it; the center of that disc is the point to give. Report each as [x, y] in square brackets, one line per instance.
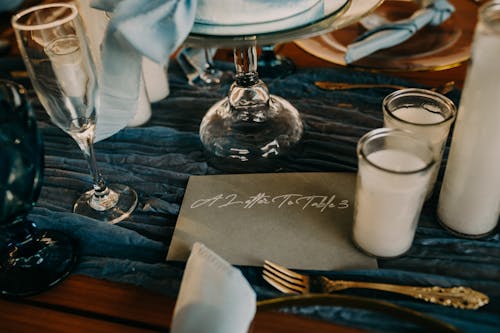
[125, 205]
[37, 265]
[209, 78]
[251, 137]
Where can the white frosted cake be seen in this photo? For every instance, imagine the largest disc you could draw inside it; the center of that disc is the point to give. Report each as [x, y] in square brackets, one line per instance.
[238, 12]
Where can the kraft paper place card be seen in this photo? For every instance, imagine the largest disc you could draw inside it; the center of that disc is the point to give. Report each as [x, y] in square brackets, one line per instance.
[299, 220]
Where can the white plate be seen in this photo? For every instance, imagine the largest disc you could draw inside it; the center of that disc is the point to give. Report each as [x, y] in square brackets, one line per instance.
[317, 12]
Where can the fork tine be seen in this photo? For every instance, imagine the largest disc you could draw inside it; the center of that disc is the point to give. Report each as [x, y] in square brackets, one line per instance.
[282, 285]
[288, 280]
[280, 276]
[278, 268]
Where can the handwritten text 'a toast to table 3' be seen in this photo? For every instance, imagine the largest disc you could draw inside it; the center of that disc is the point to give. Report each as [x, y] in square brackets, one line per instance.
[302, 201]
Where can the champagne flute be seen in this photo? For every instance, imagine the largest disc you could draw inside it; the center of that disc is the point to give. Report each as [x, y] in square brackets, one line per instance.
[31, 259]
[53, 45]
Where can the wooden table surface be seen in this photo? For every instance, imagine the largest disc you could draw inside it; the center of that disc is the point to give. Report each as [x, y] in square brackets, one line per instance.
[84, 304]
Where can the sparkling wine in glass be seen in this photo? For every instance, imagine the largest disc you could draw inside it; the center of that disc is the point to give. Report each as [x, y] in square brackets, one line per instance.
[31, 259]
[56, 54]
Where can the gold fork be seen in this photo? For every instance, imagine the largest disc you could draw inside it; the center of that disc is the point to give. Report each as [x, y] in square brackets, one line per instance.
[288, 281]
[328, 85]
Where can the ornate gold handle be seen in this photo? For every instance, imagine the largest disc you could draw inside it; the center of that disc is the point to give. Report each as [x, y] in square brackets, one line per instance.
[457, 297]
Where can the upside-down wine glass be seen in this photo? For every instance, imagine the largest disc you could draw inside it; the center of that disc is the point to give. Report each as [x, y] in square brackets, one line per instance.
[56, 54]
[200, 70]
[211, 76]
[31, 259]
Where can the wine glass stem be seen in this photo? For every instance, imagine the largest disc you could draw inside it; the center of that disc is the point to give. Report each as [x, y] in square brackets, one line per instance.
[245, 62]
[87, 147]
[208, 59]
[248, 96]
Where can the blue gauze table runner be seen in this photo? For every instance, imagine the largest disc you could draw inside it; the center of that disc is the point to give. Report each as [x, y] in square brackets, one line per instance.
[158, 158]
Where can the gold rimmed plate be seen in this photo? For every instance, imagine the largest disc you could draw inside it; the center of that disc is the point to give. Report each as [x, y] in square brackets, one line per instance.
[432, 48]
[357, 302]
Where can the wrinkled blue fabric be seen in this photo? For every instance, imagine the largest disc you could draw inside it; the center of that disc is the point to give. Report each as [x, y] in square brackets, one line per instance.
[158, 158]
[394, 33]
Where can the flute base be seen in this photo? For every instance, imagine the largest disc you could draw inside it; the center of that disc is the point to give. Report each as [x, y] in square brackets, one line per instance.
[250, 136]
[38, 264]
[125, 205]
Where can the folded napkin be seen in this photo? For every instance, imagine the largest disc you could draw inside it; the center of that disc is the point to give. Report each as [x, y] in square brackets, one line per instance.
[137, 28]
[213, 297]
[394, 33]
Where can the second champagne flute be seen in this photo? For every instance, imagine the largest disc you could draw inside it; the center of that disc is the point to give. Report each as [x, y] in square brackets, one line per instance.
[53, 45]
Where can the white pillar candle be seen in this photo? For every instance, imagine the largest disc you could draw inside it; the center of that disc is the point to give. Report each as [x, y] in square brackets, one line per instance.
[155, 79]
[469, 201]
[390, 190]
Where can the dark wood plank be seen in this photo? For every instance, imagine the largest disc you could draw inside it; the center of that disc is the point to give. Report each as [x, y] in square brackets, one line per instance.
[19, 317]
[274, 322]
[115, 301]
[81, 303]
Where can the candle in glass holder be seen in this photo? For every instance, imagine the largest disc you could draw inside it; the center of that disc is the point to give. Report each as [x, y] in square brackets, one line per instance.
[425, 113]
[393, 173]
[469, 202]
[66, 59]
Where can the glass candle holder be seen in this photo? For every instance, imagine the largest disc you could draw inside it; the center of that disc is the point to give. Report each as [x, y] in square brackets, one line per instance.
[425, 113]
[394, 168]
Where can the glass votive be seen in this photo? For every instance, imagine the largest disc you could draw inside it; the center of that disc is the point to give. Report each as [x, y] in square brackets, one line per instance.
[427, 114]
[394, 168]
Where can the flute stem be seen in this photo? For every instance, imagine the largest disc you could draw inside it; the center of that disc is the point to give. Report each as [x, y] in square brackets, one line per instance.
[102, 198]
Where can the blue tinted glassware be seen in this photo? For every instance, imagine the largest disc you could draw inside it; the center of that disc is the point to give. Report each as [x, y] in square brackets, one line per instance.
[31, 260]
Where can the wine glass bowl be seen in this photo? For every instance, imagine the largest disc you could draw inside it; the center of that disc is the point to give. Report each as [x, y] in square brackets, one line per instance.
[55, 51]
[31, 260]
[22, 156]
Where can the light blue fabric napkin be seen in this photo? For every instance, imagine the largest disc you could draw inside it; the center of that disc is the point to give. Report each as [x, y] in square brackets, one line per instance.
[394, 33]
[137, 28]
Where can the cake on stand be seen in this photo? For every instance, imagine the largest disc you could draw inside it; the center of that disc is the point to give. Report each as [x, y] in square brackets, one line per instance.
[250, 126]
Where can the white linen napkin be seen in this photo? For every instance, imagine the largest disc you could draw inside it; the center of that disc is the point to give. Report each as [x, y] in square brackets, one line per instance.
[394, 33]
[137, 28]
[214, 296]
